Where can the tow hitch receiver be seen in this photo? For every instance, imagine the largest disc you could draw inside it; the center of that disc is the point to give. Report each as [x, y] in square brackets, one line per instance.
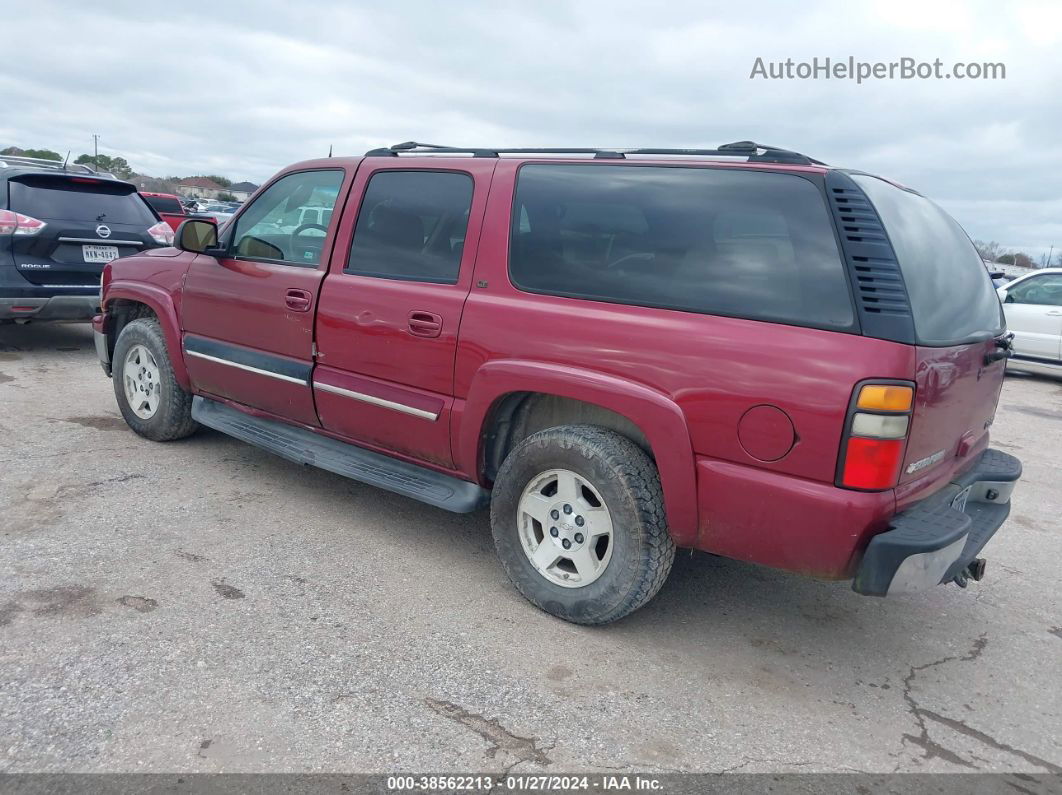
[975, 571]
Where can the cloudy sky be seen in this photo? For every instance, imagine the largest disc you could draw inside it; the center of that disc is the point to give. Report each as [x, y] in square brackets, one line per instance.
[243, 88]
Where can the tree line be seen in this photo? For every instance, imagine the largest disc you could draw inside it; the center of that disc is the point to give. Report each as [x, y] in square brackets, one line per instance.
[116, 165]
[994, 252]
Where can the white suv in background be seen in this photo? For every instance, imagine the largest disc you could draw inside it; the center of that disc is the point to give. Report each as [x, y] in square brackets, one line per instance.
[1033, 306]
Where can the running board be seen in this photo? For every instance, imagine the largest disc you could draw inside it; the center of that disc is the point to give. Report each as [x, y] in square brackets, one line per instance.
[357, 463]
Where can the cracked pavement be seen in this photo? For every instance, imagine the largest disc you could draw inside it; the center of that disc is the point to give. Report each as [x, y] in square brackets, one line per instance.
[203, 606]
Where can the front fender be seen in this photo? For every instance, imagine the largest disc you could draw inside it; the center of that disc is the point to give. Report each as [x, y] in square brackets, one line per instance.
[161, 302]
[655, 414]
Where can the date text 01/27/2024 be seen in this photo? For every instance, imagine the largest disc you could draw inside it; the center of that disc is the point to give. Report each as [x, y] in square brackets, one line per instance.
[523, 783]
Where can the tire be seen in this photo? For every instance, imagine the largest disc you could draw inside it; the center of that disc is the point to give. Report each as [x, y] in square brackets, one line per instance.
[172, 415]
[623, 573]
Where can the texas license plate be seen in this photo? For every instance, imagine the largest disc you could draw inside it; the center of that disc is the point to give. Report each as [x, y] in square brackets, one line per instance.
[99, 253]
[958, 502]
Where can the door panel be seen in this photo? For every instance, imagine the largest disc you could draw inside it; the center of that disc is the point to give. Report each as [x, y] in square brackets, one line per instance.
[238, 308]
[248, 315]
[1037, 329]
[387, 326]
[365, 345]
[1033, 308]
[411, 422]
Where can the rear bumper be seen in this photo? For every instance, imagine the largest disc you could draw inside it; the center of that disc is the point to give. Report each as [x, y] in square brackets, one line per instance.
[58, 307]
[935, 540]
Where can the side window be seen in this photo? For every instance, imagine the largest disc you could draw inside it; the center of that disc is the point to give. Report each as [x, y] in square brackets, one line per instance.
[411, 226]
[275, 227]
[717, 241]
[1043, 290]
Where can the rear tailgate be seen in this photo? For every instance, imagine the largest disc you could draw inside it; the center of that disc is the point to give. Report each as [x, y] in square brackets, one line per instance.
[88, 221]
[957, 321]
[955, 402]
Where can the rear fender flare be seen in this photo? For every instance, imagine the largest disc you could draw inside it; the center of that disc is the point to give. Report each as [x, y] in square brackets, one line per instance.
[162, 305]
[654, 413]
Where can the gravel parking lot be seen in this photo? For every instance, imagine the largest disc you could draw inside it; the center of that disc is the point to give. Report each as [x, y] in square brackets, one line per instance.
[205, 606]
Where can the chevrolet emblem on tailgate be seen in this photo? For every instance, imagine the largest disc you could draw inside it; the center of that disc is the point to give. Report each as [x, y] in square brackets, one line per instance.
[929, 460]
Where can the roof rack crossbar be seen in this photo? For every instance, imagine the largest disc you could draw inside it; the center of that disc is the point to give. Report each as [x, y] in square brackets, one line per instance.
[760, 153]
[43, 162]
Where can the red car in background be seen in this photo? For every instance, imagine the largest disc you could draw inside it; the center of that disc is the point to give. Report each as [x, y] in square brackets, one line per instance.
[168, 206]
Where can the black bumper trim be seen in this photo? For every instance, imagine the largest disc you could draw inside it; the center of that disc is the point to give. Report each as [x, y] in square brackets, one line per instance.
[932, 541]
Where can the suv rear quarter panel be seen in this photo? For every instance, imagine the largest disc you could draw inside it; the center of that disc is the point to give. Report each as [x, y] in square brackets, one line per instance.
[713, 370]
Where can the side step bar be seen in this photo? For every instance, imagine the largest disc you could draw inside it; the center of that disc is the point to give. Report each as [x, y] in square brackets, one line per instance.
[357, 463]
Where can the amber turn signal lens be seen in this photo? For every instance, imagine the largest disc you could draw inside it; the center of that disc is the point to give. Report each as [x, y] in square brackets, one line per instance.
[880, 397]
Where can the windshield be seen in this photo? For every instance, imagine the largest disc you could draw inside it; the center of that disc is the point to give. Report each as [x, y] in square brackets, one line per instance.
[952, 297]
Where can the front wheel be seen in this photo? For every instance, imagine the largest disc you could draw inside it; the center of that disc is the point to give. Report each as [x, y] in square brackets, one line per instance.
[149, 397]
[578, 521]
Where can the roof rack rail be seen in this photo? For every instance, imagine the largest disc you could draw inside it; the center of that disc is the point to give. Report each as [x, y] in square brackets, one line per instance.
[16, 161]
[758, 153]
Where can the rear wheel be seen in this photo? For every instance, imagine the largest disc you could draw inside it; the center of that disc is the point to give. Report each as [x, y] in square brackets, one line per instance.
[149, 397]
[578, 522]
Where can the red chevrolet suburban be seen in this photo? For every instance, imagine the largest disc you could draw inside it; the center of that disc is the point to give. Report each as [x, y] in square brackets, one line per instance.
[740, 350]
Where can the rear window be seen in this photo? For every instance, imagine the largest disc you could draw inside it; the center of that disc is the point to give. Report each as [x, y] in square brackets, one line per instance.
[165, 204]
[952, 297]
[732, 242]
[54, 199]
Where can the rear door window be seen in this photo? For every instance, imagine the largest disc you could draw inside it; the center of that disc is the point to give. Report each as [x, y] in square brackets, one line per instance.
[411, 226]
[82, 200]
[952, 297]
[742, 243]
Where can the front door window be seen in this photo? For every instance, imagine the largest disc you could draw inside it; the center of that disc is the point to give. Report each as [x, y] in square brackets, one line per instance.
[288, 223]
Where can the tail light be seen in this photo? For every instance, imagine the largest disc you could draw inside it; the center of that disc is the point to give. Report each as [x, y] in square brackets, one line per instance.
[876, 430]
[12, 223]
[162, 233]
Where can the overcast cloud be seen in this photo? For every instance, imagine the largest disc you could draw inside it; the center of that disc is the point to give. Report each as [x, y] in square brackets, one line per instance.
[244, 88]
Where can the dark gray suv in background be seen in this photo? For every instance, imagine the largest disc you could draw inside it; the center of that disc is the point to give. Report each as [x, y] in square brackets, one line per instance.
[59, 225]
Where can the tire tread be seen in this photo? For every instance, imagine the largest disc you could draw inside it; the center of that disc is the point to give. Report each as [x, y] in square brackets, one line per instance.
[174, 418]
[637, 475]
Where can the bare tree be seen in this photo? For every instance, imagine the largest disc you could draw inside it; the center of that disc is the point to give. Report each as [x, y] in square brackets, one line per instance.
[989, 251]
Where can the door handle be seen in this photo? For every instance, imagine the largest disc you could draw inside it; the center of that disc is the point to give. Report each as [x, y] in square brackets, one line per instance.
[425, 324]
[297, 300]
[1054, 313]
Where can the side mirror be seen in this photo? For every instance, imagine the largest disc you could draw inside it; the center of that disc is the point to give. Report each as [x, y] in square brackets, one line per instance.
[996, 274]
[196, 235]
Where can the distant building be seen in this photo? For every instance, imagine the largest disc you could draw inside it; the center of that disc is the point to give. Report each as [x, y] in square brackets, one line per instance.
[200, 188]
[242, 190]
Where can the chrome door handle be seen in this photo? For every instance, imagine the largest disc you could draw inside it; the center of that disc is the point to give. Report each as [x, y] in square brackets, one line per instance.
[425, 324]
[297, 300]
